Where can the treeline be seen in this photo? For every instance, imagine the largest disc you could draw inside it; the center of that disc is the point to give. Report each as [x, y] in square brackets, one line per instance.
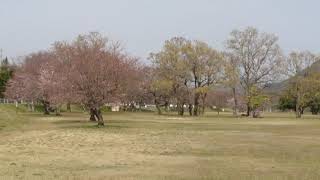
[93, 70]
[303, 86]
[6, 73]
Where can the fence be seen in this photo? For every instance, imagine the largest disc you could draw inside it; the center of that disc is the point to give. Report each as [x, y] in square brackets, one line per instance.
[10, 101]
[30, 105]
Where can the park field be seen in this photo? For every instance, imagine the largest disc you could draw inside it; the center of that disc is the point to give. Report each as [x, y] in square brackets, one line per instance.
[148, 146]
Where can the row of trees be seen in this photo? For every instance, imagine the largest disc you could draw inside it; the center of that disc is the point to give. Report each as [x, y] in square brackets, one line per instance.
[185, 71]
[93, 71]
[303, 89]
[90, 71]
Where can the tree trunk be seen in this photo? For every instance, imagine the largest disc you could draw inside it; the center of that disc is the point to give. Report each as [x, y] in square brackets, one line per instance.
[248, 109]
[58, 111]
[29, 107]
[158, 107]
[248, 94]
[298, 114]
[96, 112]
[235, 108]
[256, 113]
[16, 106]
[68, 107]
[196, 105]
[166, 106]
[299, 111]
[314, 109]
[46, 106]
[181, 109]
[92, 115]
[178, 108]
[99, 116]
[203, 107]
[132, 107]
[32, 106]
[190, 109]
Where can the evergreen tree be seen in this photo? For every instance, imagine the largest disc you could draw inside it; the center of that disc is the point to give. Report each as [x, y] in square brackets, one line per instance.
[6, 72]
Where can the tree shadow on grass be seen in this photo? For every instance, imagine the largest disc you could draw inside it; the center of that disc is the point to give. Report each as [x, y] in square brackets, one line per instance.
[82, 124]
[69, 122]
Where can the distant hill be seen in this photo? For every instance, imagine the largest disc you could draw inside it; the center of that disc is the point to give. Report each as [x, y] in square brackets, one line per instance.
[277, 88]
[315, 67]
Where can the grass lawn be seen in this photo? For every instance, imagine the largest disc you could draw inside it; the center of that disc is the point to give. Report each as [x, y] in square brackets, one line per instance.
[148, 146]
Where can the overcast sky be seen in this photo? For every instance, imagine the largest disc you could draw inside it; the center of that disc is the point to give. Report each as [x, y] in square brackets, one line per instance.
[143, 25]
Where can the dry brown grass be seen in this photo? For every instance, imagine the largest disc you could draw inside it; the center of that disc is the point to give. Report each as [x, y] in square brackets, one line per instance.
[147, 146]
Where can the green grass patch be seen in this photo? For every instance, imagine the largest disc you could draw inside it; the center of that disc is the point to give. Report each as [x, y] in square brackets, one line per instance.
[11, 117]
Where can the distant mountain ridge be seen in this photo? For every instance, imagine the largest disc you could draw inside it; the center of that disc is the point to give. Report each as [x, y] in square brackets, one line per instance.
[277, 88]
[315, 67]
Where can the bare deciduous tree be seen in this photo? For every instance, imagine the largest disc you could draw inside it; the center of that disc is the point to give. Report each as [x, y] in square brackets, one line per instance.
[232, 79]
[170, 68]
[259, 58]
[204, 65]
[191, 67]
